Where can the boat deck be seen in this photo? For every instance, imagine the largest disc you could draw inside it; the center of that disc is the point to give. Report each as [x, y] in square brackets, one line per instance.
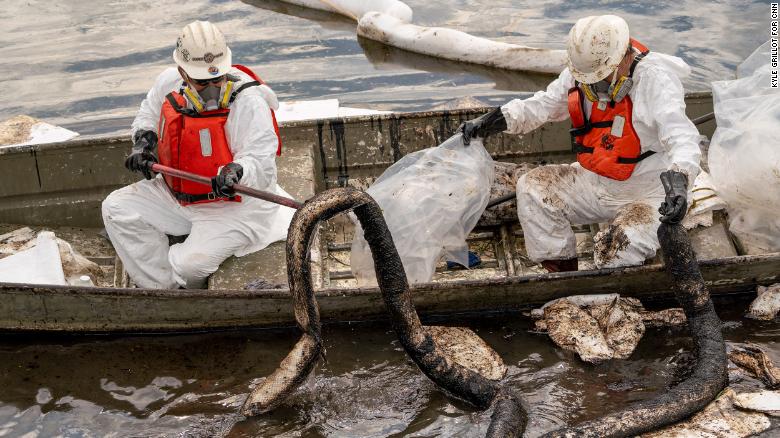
[317, 155]
[500, 247]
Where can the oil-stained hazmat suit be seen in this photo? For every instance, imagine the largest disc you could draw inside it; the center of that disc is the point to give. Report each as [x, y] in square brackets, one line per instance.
[551, 198]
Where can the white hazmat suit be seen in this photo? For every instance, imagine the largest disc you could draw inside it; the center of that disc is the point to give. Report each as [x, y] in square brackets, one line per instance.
[552, 198]
[139, 217]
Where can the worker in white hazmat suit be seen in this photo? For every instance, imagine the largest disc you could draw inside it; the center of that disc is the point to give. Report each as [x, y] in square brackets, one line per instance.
[628, 128]
[211, 118]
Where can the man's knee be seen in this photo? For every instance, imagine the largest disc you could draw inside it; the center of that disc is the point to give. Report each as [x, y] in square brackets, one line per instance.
[112, 207]
[538, 190]
[192, 268]
[630, 238]
[527, 191]
[636, 215]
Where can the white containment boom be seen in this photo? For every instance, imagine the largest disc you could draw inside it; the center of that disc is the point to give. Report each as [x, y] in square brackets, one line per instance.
[357, 8]
[458, 46]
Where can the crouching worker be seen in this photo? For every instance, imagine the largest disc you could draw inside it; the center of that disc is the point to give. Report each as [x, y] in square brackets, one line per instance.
[628, 128]
[210, 118]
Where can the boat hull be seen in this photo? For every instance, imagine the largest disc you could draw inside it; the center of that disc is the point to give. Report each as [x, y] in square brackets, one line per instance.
[102, 310]
[63, 184]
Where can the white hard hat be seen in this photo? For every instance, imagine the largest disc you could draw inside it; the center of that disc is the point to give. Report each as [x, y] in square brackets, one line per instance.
[596, 46]
[201, 51]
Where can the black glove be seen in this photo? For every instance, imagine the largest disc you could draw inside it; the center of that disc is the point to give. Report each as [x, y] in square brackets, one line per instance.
[675, 205]
[488, 124]
[144, 153]
[230, 174]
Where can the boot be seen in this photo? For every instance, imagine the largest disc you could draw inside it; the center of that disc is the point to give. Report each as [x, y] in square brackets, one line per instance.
[564, 265]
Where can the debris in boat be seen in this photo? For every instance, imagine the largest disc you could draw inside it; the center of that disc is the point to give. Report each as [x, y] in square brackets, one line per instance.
[705, 201]
[600, 327]
[756, 362]
[263, 284]
[708, 376]
[750, 186]
[692, 221]
[767, 402]
[504, 184]
[455, 359]
[72, 264]
[767, 303]
[721, 418]
[16, 240]
[431, 200]
[25, 130]
[458, 46]
[38, 264]
[75, 265]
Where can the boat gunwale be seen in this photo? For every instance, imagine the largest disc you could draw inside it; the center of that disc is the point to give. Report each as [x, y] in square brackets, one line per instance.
[395, 115]
[25, 288]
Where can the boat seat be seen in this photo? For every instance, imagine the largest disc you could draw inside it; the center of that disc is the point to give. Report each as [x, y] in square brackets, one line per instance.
[268, 264]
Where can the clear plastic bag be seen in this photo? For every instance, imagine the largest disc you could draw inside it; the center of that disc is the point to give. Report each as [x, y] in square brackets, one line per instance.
[744, 154]
[431, 200]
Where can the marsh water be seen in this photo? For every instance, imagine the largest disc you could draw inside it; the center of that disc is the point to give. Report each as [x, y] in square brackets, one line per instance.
[87, 65]
[193, 385]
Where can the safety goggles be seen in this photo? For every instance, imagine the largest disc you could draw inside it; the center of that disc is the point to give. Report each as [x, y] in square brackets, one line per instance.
[204, 82]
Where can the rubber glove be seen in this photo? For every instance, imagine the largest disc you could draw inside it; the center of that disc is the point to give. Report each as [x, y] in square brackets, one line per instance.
[675, 205]
[143, 154]
[230, 174]
[488, 124]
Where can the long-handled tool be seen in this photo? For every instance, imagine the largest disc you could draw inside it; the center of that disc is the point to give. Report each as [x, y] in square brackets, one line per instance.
[500, 200]
[244, 190]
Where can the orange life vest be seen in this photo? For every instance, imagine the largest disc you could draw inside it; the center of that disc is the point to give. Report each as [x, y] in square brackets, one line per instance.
[594, 140]
[196, 142]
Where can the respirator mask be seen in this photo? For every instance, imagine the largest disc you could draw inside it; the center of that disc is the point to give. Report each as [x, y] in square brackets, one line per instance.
[214, 95]
[606, 90]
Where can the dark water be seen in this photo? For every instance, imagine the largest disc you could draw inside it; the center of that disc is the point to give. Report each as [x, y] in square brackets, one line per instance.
[192, 385]
[87, 65]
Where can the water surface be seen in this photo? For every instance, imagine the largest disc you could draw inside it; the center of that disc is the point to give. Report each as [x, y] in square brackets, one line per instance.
[87, 65]
[193, 385]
